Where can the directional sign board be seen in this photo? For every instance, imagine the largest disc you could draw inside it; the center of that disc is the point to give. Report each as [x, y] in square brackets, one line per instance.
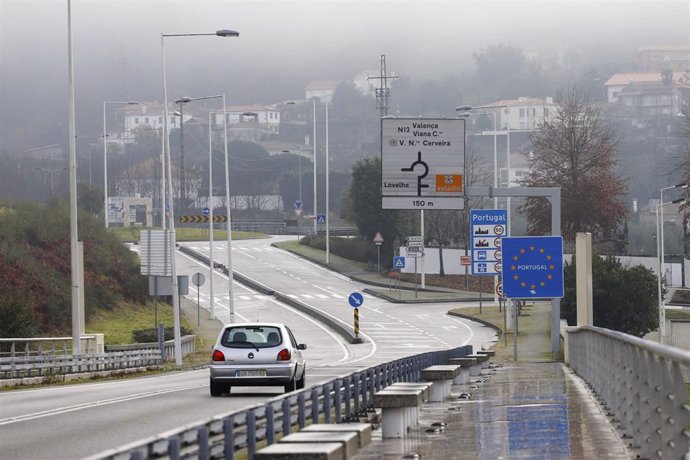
[355, 299]
[422, 163]
[487, 227]
[533, 267]
[398, 262]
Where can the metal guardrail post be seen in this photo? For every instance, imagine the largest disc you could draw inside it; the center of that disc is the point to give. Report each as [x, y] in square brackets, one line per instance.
[270, 430]
[251, 433]
[347, 385]
[314, 406]
[301, 416]
[337, 401]
[287, 423]
[174, 448]
[202, 434]
[355, 384]
[228, 438]
[363, 392]
[326, 391]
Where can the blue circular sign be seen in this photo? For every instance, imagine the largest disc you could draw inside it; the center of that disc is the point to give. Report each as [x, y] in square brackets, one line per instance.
[206, 211]
[355, 299]
[298, 204]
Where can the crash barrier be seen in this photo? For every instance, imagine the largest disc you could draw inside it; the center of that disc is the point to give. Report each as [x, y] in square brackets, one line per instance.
[639, 382]
[343, 399]
[187, 345]
[32, 346]
[47, 365]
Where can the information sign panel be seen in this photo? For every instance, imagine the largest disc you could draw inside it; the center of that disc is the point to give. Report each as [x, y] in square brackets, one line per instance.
[422, 163]
[533, 267]
[487, 227]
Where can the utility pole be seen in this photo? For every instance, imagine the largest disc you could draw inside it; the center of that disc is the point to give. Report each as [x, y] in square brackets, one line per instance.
[383, 91]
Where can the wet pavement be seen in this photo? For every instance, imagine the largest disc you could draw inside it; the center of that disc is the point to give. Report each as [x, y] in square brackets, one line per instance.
[523, 410]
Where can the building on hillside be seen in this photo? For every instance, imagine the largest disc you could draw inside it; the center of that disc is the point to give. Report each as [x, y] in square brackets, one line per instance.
[147, 117]
[321, 90]
[253, 122]
[650, 94]
[658, 58]
[521, 114]
[364, 83]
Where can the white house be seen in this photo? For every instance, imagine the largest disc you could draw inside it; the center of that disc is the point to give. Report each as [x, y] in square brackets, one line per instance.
[322, 90]
[250, 116]
[521, 114]
[149, 116]
[648, 93]
[364, 83]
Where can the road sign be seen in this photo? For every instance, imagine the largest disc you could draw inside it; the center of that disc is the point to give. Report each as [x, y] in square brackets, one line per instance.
[321, 219]
[378, 238]
[355, 299]
[416, 239]
[298, 204]
[422, 163]
[414, 255]
[487, 227]
[415, 249]
[499, 289]
[533, 267]
[205, 211]
[465, 261]
[198, 279]
[201, 219]
[398, 262]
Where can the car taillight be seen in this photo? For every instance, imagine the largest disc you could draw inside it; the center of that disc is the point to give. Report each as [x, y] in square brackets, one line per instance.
[284, 355]
[217, 356]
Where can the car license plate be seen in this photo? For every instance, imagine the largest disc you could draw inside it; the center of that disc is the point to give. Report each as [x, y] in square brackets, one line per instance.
[252, 373]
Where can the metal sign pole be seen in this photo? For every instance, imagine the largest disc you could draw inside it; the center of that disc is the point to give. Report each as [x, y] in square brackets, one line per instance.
[515, 331]
[415, 277]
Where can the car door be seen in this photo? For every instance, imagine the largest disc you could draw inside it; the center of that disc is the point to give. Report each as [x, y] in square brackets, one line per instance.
[300, 362]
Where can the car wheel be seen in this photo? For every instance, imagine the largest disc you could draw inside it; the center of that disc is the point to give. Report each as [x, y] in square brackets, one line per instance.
[290, 386]
[302, 381]
[217, 388]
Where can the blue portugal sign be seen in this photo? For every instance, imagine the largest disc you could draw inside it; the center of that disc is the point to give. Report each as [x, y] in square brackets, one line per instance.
[533, 267]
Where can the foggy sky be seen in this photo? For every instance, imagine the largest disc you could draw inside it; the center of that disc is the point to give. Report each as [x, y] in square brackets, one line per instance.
[285, 44]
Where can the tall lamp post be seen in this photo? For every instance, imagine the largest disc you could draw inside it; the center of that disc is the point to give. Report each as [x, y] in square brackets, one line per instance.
[313, 142]
[328, 219]
[105, 156]
[661, 251]
[185, 100]
[166, 149]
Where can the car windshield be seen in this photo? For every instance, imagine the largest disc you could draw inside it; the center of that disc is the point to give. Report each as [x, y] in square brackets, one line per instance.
[252, 337]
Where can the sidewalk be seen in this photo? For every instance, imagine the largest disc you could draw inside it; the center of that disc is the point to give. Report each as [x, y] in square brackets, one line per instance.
[534, 408]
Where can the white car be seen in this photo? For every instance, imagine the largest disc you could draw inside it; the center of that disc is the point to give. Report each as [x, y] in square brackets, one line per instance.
[257, 354]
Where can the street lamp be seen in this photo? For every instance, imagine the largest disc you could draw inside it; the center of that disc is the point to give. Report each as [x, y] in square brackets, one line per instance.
[231, 306]
[660, 252]
[328, 219]
[166, 158]
[105, 156]
[313, 100]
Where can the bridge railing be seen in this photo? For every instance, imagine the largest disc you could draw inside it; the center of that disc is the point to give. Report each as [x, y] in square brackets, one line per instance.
[339, 400]
[641, 383]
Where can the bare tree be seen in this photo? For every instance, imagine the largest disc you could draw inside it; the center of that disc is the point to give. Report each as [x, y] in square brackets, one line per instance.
[576, 151]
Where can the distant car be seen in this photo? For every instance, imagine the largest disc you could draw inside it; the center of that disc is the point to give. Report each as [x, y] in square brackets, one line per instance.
[257, 354]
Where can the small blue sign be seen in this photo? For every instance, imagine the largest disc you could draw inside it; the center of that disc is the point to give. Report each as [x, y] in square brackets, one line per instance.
[481, 268]
[298, 204]
[398, 261]
[533, 267]
[205, 211]
[321, 219]
[355, 299]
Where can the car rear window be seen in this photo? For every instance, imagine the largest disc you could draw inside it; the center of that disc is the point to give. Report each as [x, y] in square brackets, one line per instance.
[252, 337]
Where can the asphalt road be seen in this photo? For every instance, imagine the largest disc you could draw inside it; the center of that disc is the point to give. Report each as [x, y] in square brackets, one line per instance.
[75, 421]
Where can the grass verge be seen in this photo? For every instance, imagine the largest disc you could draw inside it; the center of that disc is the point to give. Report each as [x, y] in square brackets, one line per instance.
[185, 234]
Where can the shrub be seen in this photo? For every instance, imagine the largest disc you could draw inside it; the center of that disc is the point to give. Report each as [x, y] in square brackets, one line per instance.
[151, 334]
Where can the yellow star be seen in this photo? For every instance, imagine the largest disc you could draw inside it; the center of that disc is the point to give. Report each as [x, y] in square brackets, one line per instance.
[548, 257]
[552, 266]
[531, 248]
[533, 286]
[541, 251]
[515, 258]
[513, 267]
[549, 276]
[523, 284]
[542, 284]
[522, 251]
[516, 277]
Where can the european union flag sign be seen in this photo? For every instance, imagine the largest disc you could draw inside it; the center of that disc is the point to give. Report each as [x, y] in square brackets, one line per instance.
[533, 267]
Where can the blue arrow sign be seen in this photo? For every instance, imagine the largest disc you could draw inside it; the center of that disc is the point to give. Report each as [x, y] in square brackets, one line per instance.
[298, 204]
[321, 219]
[355, 299]
[205, 211]
[398, 262]
[533, 267]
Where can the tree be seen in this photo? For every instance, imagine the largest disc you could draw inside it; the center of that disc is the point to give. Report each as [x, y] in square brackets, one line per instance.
[365, 196]
[624, 298]
[575, 151]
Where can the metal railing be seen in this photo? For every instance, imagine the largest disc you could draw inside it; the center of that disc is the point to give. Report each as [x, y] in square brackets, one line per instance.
[187, 345]
[28, 346]
[639, 382]
[339, 400]
[47, 365]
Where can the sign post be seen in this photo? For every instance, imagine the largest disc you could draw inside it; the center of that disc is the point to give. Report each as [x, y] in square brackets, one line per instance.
[533, 270]
[356, 300]
[378, 240]
[198, 279]
[422, 163]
